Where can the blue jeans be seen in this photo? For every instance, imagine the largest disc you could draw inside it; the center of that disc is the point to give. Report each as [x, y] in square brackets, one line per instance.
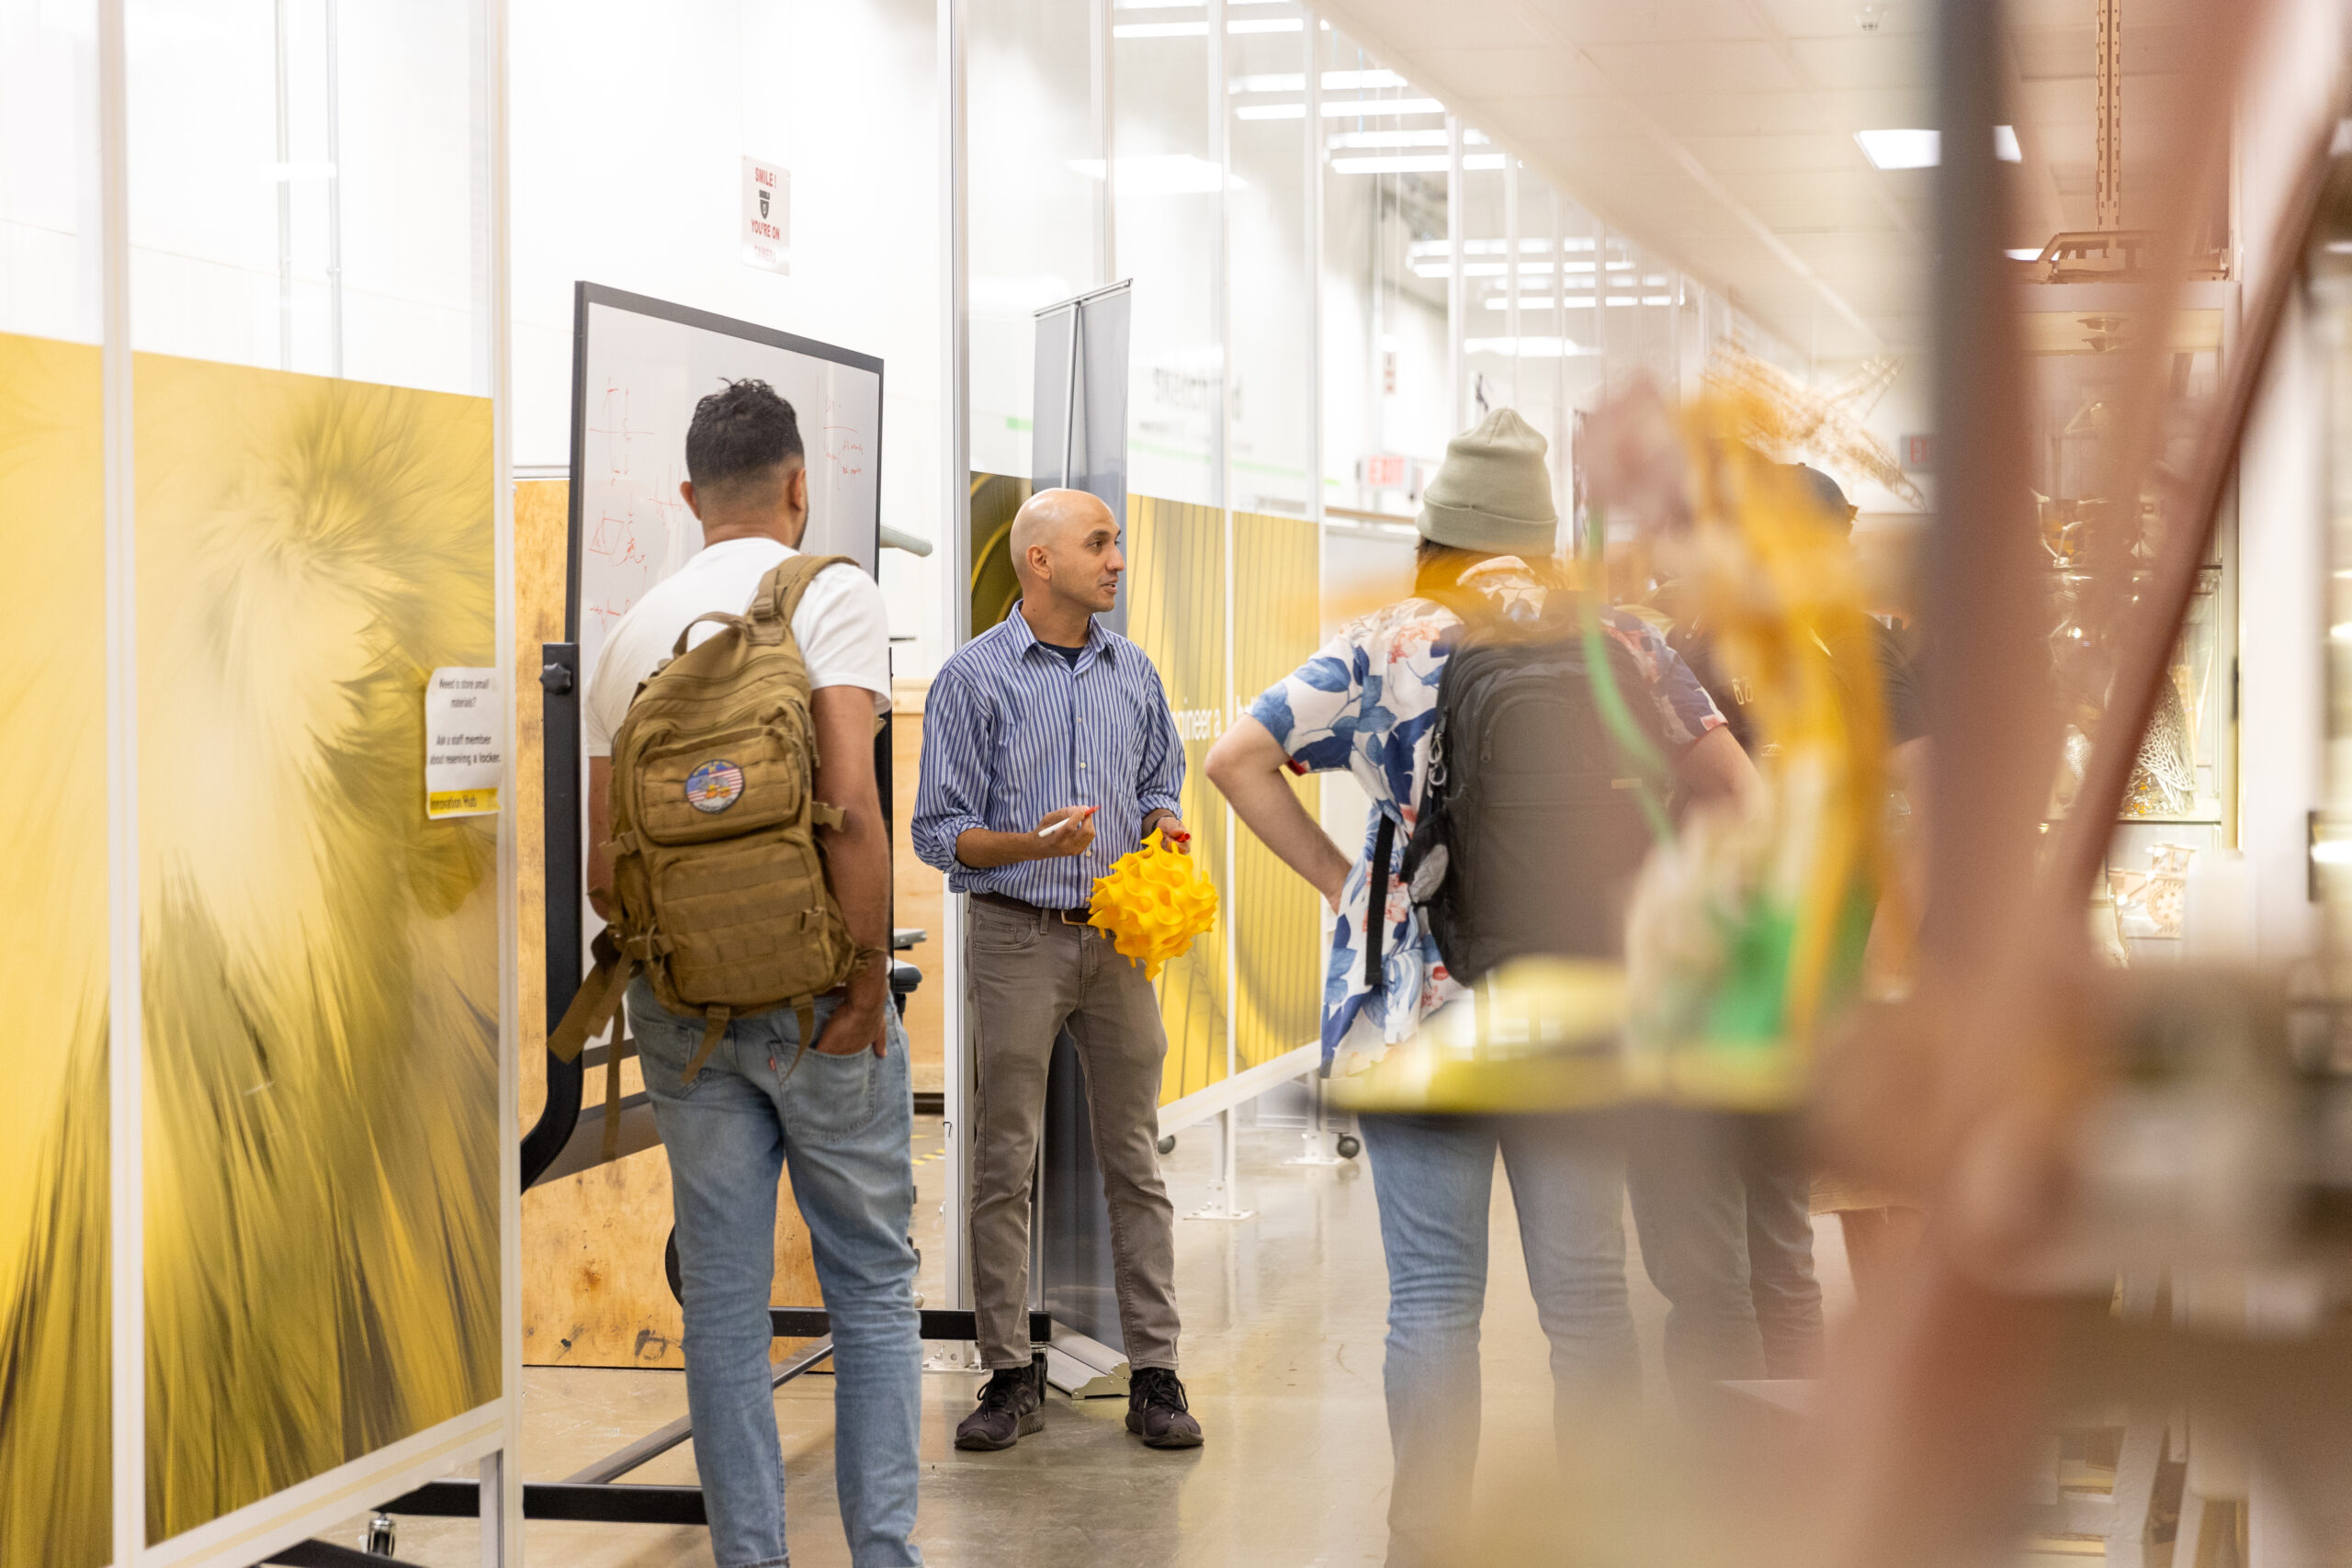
[844, 1125]
[1435, 1179]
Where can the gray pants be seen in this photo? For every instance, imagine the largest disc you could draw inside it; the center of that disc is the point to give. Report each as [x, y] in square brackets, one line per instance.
[1029, 976]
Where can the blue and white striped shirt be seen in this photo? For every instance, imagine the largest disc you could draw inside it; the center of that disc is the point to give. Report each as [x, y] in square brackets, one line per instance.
[1011, 732]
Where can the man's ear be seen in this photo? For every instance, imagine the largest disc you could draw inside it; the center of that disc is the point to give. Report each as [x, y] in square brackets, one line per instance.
[795, 488]
[686, 488]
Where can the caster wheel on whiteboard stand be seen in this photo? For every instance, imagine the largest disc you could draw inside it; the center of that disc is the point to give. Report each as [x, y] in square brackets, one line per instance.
[670, 1269]
[1167, 1144]
[1350, 1146]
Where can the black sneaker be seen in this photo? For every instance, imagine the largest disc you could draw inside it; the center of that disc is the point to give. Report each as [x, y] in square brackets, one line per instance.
[1157, 1411]
[1011, 1403]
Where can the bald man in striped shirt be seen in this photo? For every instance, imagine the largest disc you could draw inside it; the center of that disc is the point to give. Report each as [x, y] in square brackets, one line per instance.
[1047, 752]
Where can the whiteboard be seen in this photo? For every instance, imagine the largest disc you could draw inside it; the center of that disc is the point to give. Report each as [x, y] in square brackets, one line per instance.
[638, 368]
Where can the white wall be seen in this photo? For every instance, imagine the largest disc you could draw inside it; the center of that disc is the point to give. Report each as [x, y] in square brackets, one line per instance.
[49, 170]
[628, 126]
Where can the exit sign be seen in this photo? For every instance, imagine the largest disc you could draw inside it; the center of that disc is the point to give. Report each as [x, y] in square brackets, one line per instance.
[1919, 454]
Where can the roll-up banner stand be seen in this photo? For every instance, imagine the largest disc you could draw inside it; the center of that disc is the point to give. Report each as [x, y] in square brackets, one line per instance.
[1078, 441]
[1078, 437]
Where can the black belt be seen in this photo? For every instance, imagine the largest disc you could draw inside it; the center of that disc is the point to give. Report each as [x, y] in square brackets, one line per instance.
[1022, 907]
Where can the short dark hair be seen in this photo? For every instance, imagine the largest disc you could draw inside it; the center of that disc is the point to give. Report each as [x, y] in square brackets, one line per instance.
[739, 435]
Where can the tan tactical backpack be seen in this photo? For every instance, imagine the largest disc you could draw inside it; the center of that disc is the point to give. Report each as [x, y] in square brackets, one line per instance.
[721, 889]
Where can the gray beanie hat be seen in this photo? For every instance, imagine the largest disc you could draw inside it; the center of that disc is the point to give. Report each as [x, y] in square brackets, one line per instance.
[1492, 492]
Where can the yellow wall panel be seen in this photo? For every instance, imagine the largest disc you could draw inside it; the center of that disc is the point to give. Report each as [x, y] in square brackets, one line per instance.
[1279, 949]
[53, 1257]
[1175, 613]
[320, 962]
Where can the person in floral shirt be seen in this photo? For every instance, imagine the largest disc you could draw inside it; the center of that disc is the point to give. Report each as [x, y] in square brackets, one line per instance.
[1366, 704]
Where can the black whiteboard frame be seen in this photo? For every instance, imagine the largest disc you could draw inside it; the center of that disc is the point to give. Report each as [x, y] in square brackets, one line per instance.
[585, 294]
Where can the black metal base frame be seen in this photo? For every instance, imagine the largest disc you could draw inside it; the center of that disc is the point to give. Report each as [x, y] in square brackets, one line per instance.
[596, 1496]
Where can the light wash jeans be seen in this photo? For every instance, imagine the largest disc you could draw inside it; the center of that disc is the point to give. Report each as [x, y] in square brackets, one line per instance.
[1435, 1179]
[844, 1125]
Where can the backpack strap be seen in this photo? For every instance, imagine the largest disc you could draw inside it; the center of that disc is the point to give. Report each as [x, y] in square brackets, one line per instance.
[594, 1004]
[714, 1028]
[1375, 909]
[781, 591]
[612, 1150]
[722, 617]
[804, 1013]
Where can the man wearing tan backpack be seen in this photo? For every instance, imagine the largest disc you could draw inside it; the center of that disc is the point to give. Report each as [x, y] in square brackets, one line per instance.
[740, 855]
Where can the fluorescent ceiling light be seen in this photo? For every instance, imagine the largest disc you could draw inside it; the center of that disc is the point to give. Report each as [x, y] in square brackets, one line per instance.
[1162, 174]
[2338, 248]
[1428, 137]
[1413, 163]
[1351, 108]
[1339, 109]
[1268, 25]
[1900, 149]
[1922, 148]
[2032, 253]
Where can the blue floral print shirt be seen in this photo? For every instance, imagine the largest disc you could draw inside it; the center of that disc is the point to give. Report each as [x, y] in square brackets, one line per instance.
[1366, 702]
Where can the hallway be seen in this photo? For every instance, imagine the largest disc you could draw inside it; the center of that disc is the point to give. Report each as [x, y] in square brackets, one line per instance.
[1284, 1316]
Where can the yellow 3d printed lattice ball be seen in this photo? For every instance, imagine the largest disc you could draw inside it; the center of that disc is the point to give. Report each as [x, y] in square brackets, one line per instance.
[1152, 905]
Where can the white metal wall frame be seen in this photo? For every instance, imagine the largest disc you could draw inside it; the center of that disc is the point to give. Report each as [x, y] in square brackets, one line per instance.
[489, 1434]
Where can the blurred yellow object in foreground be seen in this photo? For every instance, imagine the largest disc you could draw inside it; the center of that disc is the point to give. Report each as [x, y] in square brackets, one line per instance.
[1550, 1034]
[1152, 905]
[1537, 1034]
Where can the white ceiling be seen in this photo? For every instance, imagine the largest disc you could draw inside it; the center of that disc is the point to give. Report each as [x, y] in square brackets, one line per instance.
[1721, 133]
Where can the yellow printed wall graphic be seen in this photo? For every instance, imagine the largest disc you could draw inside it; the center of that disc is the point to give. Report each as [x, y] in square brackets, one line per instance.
[320, 962]
[53, 1256]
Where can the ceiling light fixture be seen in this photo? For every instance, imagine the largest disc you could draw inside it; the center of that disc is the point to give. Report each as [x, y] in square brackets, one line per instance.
[1341, 109]
[1413, 163]
[1916, 148]
[1901, 148]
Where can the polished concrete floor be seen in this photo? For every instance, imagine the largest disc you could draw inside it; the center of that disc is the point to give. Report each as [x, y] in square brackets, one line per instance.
[1283, 1318]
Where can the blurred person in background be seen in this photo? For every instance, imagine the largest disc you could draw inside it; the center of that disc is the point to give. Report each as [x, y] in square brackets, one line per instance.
[1726, 1225]
[1367, 704]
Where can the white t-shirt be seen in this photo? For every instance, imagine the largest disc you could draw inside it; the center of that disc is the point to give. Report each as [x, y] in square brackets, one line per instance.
[843, 634]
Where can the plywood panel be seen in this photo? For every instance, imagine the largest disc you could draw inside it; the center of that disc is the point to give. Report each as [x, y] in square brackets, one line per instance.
[919, 890]
[594, 1292]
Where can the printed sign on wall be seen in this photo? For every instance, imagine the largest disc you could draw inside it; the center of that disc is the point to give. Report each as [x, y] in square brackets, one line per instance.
[463, 753]
[767, 216]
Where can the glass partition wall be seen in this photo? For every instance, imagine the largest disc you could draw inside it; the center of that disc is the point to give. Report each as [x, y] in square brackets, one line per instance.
[1332, 277]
